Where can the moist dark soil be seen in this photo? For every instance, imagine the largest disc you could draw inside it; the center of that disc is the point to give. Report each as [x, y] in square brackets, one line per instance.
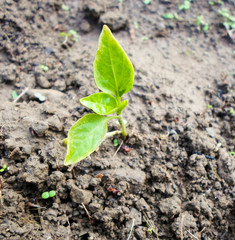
[173, 178]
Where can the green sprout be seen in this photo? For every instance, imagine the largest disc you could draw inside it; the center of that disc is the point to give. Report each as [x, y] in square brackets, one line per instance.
[65, 7]
[70, 34]
[232, 153]
[168, 15]
[3, 168]
[210, 106]
[228, 20]
[146, 2]
[47, 195]
[44, 68]
[171, 16]
[115, 142]
[185, 6]
[114, 76]
[218, 2]
[231, 112]
[200, 23]
[14, 94]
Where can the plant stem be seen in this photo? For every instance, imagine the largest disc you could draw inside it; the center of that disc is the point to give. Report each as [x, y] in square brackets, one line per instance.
[110, 134]
[124, 133]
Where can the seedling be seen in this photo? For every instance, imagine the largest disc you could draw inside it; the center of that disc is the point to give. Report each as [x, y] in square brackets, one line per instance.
[171, 16]
[228, 20]
[47, 195]
[147, 2]
[231, 112]
[65, 7]
[210, 106]
[71, 34]
[115, 142]
[201, 24]
[185, 6]
[3, 168]
[44, 68]
[232, 153]
[114, 76]
[14, 94]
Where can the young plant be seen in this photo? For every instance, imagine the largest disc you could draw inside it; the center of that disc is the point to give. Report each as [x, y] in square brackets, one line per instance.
[71, 34]
[47, 195]
[114, 76]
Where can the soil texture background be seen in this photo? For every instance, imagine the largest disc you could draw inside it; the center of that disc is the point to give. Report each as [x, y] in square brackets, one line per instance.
[174, 177]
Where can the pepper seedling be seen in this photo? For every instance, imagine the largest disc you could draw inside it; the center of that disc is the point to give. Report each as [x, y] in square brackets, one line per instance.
[114, 76]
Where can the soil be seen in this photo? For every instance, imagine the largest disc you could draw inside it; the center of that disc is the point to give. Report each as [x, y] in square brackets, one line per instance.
[173, 178]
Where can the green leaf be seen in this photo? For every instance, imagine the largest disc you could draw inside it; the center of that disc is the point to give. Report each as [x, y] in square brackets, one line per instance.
[113, 71]
[45, 195]
[52, 193]
[85, 136]
[146, 2]
[168, 16]
[101, 103]
[65, 7]
[14, 94]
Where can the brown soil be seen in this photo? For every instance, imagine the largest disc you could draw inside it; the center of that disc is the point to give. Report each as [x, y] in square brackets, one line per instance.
[179, 173]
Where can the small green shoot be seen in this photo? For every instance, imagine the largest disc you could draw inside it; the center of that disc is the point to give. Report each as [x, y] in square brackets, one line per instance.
[171, 16]
[114, 75]
[218, 2]
[44, 68]
[185, 6]
[3, 168]
[210, 106]
[228, 20]
[201, 24]
[145, 38]
[232, 153]
[168, 16]
[65, 7]
[14, 94]
[47, 195]
[231, 112]
[147, 2]
[136, 25]
[71, 34]
[115, 142]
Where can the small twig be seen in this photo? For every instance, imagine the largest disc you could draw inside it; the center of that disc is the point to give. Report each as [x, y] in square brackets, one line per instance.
[150, 225]
[181, 228]
[192, 235]
[132, 226]
[117, 149]
[202, 230]
[23, 93]
[88, 214]
[110, 134]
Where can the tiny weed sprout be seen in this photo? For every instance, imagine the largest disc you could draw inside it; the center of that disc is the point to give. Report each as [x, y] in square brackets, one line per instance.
[147, 2]
[232, 153]
[115, 142]
[47, 195]
[14, 94]
[70, 34]
[201, 24]
[185, 6]
[114, 76]
[228, 20]
[44, 68]
[3, 168]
